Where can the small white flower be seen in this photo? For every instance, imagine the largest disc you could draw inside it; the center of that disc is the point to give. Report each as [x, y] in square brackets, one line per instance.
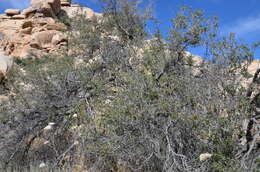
[42, 165]
[75, 115]
[74, 127]
[76, 143]
[49, 126]
[46, 142]
[243, 141]
[205, 156]
[107, 101]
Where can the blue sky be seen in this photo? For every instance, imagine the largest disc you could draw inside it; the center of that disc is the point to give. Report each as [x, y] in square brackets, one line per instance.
[239, 16]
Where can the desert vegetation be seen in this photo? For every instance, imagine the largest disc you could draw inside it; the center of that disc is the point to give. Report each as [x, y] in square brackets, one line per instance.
[127, 100]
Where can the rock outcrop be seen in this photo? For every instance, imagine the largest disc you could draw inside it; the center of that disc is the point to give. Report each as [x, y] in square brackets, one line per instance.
[6, 64]
[23, 37]
[37, 30]
[74, 10]
[49, 8]
[65, 2]
[12, 12]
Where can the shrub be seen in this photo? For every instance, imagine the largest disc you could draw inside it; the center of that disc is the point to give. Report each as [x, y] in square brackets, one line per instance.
[121, 102]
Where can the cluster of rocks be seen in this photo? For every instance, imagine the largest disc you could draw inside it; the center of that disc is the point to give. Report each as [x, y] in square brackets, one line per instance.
[36, 36]
[36, 30]
[65, 2]
[6, 64]
[47, 8]
[12, 14]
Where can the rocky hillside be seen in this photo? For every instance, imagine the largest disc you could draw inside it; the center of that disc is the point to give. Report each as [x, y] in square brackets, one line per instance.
[37, 29]
[83, 91]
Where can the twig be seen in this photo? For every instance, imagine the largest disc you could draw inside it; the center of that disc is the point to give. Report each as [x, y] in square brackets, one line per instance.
[62, 156]
[251, 146]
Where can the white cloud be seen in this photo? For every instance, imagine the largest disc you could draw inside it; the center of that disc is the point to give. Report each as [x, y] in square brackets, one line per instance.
[243, 27]
[19, 4]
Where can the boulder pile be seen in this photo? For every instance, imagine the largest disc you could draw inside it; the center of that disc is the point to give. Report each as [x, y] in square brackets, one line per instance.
[65, 2]
[6, 63]
[36, 30]
[12, 12]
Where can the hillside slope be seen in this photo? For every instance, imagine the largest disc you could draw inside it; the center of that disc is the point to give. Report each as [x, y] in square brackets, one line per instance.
[98, 93]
